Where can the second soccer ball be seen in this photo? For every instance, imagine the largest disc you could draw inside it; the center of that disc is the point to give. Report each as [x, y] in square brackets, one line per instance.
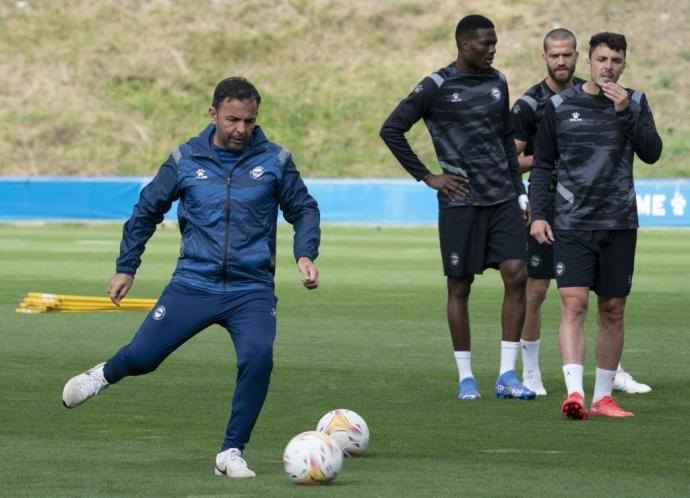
[347, 429]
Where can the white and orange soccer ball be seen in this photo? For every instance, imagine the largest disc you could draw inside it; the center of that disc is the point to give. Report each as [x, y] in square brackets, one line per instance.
[312, 457]
[347, 429]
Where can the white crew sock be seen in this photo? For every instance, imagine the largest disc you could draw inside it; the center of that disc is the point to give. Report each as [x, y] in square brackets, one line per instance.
[509, 352]
[620, 367]
[603, 383]
[464, 362]
[530, 358]
[573, 372]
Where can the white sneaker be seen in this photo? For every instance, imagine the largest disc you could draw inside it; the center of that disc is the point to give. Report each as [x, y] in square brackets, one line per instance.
[229, 463]
[84, 386]
[625, 382]
[534, 383]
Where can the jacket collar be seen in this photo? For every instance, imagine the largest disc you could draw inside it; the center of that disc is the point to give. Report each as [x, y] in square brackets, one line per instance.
[202, 147]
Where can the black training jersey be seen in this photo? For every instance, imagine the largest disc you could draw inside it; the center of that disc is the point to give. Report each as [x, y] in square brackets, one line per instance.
[594, 147]
[528, 110]
[468, 118]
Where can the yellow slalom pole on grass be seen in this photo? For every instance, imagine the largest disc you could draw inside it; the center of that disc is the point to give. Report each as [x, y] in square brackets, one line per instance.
[41, 302]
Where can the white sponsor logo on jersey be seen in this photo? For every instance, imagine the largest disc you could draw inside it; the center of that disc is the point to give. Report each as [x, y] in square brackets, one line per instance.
[575, 117]
[496, 93]
[201, 174]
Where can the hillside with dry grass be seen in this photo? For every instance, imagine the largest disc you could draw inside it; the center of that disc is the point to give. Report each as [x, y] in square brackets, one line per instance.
[106, 87]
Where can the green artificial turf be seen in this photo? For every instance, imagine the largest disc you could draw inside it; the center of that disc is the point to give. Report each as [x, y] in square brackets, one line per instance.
[373, 338]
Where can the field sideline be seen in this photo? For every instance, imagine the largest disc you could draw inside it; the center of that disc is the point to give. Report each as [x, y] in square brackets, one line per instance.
[372, 338]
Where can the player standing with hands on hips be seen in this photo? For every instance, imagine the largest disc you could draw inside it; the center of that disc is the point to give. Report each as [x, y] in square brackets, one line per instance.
[592, 131]
[482, 200]
[560, 55]
[230, 181]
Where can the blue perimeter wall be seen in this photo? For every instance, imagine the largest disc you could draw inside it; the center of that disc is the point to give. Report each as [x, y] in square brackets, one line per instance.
[661, 203]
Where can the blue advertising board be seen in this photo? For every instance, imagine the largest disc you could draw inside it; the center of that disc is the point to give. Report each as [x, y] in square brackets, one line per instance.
[661, 203]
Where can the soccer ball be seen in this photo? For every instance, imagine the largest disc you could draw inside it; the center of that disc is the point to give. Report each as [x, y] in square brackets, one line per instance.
[312, 458]
[347, 429]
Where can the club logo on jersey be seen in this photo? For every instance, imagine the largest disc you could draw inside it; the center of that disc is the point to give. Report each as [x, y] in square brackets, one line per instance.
[454, 259]
[560, 269]
[496, 93]
[535, 261]
[455, 97]
[159, 313]
[418, 88]
[575, 117]
[257, 173]
[201, 174]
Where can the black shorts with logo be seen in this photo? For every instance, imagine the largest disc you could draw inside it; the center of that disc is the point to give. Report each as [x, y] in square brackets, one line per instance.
[540, 256]
[602, 260]
[474, 238]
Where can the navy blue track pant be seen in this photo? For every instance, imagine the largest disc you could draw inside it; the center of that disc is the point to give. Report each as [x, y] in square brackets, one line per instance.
[182, 312]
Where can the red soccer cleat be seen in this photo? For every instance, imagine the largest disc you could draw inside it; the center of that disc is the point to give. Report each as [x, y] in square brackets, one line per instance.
[574, 407]
[608, 407]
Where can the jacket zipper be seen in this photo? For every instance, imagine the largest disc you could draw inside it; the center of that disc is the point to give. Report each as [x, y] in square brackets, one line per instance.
[227, 235]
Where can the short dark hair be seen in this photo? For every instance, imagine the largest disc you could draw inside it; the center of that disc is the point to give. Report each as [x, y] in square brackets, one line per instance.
[235, 88]
[468, 26]
[560, 34]
[614, 41]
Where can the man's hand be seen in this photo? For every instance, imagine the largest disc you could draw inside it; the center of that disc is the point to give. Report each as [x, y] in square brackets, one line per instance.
[309, 271]
[524, 206]
[541, 230]
[446, 183]
[119, 286]
[617, 94]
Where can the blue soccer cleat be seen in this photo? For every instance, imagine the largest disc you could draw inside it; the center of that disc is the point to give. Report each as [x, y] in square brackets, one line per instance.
[509, 386]
[468, 389]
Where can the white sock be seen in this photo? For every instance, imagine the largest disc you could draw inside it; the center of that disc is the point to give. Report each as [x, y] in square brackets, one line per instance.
[620, 367]
[464, 362]
[509, 352]
[530, 358]
[603, 383]
[573, 372]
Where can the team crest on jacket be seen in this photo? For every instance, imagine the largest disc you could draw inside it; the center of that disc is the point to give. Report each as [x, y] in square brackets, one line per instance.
[201, 174]
[256, 173]
[496, 93]
[159, 313]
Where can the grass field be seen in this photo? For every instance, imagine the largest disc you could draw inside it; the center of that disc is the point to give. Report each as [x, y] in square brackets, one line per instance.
[372, 338]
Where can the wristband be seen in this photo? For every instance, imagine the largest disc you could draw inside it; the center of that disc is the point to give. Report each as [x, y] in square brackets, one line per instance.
[523, 201]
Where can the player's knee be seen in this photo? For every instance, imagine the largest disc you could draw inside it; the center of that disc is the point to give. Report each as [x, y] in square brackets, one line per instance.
[515, 277]
[612, 310]
[459, 289]
[259, 358]
[573, 308]
[536, 293]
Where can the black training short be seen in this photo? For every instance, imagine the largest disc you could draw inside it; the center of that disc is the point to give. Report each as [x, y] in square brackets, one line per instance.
[602, 260]
[540, 256]
[474, 238]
